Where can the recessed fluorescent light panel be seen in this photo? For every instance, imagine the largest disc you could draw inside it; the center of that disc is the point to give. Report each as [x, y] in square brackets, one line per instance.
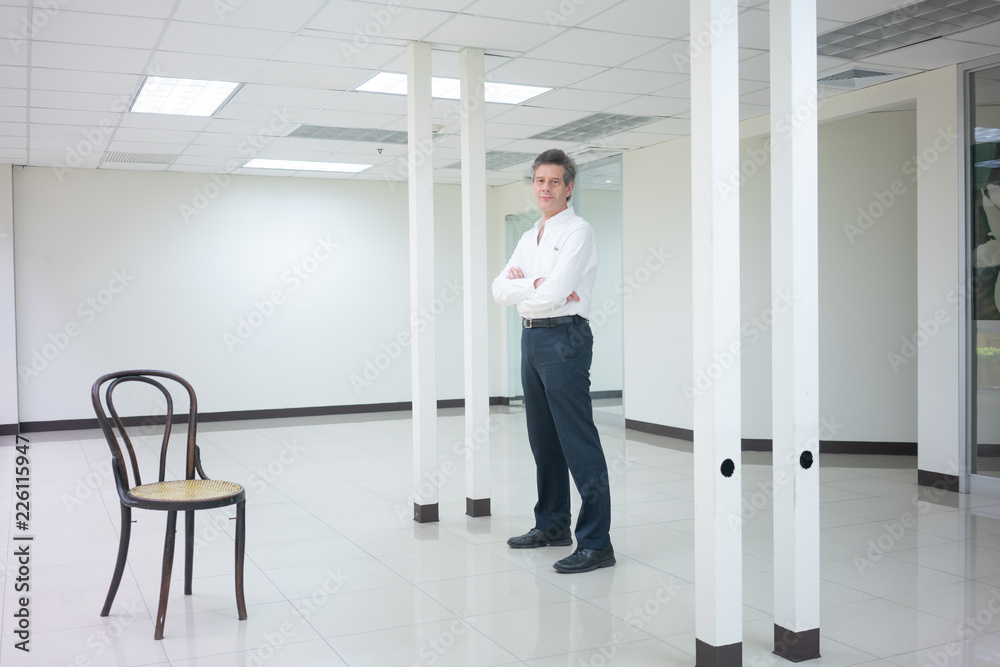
[302, 165]
[185, 97]
[449, 89]
[594, 127]
[906, 25]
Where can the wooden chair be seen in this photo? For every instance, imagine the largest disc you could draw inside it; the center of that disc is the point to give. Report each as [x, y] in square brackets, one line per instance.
[179, 495]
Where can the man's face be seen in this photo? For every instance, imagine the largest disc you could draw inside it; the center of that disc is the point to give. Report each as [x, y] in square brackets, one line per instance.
[551, 192]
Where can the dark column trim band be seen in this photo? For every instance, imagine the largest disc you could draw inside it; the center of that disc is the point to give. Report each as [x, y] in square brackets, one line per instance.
[938, 480]
[8, 429]
[478, 507]
[796, 646]
[425, 513]
[706, 655]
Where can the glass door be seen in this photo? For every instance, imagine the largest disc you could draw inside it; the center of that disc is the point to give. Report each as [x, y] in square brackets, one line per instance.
[984, 288]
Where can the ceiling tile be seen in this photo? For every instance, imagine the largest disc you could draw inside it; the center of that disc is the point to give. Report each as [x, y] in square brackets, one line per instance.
[262, 14]
[491, 33]
[582, 100]
[630, 81]
[183, 37]
[85, 57]
[850, 11]
[529, 115]
[547, 73]
[312, 76]
[158, 121]
[367, 22]
[43, 78]
[649, 105]
[335, 52]
[337, 118]
[253, 93]
[13, 77]
[668, 19]
[74, 27]
[79, 101]
[755, 29]
[149, 8]
[92, 120]
[13, 129]
[13, 115]
[555, 14]
[179, 137]
[208, 68]
[660, 56]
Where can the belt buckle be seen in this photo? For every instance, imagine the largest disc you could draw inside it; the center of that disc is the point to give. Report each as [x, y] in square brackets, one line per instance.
[527, 323]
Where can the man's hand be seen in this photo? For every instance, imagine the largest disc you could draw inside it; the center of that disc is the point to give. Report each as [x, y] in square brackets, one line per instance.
[572, 297]
[514, 272]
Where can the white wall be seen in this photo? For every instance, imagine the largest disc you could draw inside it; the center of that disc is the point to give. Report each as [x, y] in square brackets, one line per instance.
[8, 334]
[173, 290]
[867, 288]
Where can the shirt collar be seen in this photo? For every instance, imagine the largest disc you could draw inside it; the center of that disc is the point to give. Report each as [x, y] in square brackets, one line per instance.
[558, 217]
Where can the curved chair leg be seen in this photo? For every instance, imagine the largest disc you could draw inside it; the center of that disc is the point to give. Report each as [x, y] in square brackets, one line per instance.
[116, 578]
[168, 563]
[188, 550]
[241, 542]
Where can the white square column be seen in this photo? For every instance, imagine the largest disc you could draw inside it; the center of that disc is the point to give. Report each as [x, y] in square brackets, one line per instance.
[421, 201]
[795, 334]
[476, 292]
[715, 235]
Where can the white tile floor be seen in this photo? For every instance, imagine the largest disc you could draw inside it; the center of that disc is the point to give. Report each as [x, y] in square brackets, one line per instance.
[337, 573]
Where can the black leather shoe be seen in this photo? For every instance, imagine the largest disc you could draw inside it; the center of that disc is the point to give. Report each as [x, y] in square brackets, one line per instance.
[585, 560]
[535, 538]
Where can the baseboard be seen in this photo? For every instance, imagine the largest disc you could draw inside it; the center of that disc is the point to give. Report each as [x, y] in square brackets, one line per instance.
[8, 429]
[765, 444]
[937, 480]
[246, 415]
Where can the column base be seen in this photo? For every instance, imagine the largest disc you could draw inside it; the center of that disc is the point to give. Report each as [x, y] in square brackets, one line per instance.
[706, 655]
[796, 646]
[425, 513]
[480, 507]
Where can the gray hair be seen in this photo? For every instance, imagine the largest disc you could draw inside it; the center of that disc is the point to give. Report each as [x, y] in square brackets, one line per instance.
[559, 158]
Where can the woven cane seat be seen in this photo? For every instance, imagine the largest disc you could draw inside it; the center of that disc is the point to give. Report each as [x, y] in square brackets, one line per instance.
[187, 490]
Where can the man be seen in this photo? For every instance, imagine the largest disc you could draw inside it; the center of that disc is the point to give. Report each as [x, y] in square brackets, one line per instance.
[550, 278]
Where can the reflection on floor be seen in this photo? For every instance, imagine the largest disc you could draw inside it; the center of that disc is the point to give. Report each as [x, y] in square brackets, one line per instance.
[339, 574]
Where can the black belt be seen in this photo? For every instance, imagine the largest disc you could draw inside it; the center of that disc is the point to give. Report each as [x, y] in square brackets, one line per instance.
[545, 322]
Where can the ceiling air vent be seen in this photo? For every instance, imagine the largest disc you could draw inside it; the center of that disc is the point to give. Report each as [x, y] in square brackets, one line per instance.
[853, 78]
[497, 160]
[348, 134]
[140, 158]
[595, 127]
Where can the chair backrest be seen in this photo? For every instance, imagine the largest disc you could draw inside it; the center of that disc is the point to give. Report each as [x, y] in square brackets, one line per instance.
[110, 383]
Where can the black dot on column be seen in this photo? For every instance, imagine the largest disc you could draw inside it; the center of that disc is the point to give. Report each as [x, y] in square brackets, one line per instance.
[806, 459]
[728, 467]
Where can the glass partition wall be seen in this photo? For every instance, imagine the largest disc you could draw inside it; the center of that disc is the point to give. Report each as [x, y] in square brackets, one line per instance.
[984, 266]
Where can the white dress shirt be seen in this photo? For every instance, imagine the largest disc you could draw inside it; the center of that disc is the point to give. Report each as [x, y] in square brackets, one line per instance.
[566, 256]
